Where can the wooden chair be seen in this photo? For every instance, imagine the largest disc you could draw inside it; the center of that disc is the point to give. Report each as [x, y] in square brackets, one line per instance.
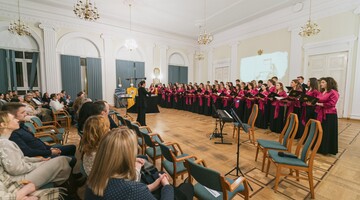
[209, 179]
[250, 126]
[172, 160]
[286, 139]
[62, 116]
[152, 148]
[44, 126]
[47, 136]
[303, 159]
[139, 130]
[120, 119]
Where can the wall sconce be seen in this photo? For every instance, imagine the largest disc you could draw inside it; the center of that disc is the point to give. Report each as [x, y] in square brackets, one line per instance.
[157, 75]
[260, 51]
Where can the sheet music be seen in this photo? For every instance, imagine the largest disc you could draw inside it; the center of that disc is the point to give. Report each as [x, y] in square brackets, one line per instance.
[213, 192]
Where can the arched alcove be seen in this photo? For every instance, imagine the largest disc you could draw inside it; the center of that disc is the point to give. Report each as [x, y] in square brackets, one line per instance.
[123, 53]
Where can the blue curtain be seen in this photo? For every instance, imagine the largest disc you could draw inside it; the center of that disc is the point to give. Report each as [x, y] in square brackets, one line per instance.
[4, 81]
[71, 74]
[183, 74]
[128, 69]
[177, 74]
[10, 63]
[94, 78]
[33, 76]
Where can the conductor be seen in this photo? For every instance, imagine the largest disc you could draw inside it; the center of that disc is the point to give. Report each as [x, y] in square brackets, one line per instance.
[142, 104]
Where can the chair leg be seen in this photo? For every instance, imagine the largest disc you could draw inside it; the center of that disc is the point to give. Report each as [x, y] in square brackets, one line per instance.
[311, 184]
[253, 136]
[278, 170]
[268, 167]
[257, 152]
[174, 180]
[297, 175]
[264, 158]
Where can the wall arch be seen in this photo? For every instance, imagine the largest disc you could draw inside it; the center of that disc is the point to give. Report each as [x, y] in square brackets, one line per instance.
[122, 53]
[81, 45]
[178, 53]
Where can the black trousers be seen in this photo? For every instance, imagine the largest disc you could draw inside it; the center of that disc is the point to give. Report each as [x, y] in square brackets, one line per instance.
[141, 116]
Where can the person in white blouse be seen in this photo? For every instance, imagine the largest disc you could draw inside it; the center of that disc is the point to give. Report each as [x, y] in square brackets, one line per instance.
[55, 103]
[18, 167]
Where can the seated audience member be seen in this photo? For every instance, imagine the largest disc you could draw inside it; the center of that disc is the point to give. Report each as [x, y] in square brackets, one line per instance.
[55, 103]
[46, 98]
[96, 108]
[78, 101]
[113, 177]
[95, 128]
[17, 167]
[32, 109]
[32, 146]
[39, 101]
[2, 100]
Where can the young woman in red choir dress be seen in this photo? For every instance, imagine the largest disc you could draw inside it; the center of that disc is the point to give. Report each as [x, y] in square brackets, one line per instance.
[249, 101]
[200, 96]
[294, 106]
[227, 98]
[152, 88]
[271, 85]
[195, 100]
[207, 100]
[174, 98]
[277, 110]
[240, 100]
[308, 109]
[168, 94]
[327, 114]
[180, 96]
[262, 119]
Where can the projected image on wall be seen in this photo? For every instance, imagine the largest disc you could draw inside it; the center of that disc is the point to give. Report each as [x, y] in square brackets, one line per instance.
[264, 66]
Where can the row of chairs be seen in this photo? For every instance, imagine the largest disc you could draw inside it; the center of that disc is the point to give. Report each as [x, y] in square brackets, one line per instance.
[177, 163]
[280, 152]
[51, 132]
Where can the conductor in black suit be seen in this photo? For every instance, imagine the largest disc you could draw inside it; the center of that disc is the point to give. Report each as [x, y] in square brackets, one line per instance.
[142, 104]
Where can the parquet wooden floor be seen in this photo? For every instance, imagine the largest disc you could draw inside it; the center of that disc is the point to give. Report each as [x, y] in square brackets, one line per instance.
[336, 177]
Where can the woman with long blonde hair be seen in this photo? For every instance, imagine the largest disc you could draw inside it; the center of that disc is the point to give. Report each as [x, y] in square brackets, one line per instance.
[95, 128]
[113, 174]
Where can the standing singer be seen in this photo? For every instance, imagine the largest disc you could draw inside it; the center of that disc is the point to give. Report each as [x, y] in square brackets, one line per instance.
[142, 104]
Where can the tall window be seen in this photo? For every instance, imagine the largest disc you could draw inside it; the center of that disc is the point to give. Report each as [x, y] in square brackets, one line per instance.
[23, 62]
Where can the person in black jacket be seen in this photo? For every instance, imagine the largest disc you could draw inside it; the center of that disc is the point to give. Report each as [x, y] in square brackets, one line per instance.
[142, 104]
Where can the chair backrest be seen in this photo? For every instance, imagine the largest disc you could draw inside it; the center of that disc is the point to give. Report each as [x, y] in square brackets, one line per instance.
[289, 131]
[37, 121]
[205, 176]
[128, 123]
[253, 115]
[313, 133]
[148, 140]
[121, 119]
[30, 126]
[166, 152]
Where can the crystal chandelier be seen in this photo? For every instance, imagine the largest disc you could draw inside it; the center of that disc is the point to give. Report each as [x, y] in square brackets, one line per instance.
[130, 44]
[19, 27]
[204, 37]
[86, 10]
[310, 28]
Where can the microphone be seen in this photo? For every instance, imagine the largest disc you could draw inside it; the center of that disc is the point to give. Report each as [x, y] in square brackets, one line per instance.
[282, 154]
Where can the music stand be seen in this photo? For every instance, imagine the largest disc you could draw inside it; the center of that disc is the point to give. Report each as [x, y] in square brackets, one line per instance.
[215, 115]
[237, 168]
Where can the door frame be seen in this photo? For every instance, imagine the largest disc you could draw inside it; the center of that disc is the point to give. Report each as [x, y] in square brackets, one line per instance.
[342, 44]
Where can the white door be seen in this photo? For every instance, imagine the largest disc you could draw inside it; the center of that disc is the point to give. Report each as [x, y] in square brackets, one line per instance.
[330, 65]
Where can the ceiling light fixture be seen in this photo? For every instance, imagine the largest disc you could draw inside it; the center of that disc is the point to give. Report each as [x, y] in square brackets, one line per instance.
[204, 37]
[199, 55]
[86, 10]
[310, 28]
[18, 27]
[130, 44]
